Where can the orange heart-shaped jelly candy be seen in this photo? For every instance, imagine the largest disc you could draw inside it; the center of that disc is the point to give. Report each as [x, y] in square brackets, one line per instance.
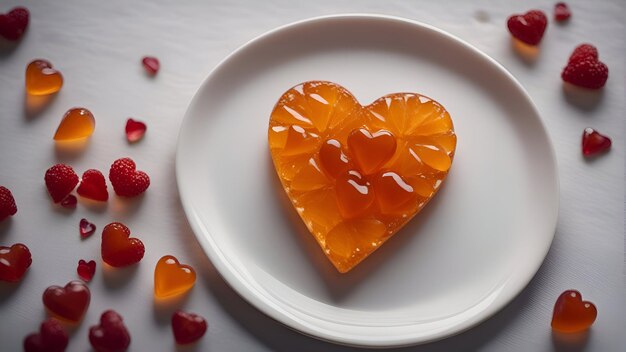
[77, 123]
[172, 278]
[572, 314]
[42, 79]
[357, 174]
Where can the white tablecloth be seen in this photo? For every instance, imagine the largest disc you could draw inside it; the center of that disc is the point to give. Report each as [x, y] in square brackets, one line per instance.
[98, 46]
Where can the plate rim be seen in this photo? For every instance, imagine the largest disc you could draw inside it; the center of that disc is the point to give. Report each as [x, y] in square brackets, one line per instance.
[233, 279]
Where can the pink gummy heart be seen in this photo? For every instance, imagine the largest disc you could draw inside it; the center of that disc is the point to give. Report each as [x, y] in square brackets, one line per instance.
[135, 130]
[151, 65]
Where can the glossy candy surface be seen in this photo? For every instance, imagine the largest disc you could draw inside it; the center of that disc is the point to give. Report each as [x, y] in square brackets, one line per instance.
[151, 65]
[357, 174]
[111, 335]
[118, 248]
[85, 228]
[135, 130]
[86, 270]
[188, 327]
[572, 314]
[93, 186]
[77, 123]
[172, 278]
[42, 79]
[69, 303]
[14, 261]
[594, 143]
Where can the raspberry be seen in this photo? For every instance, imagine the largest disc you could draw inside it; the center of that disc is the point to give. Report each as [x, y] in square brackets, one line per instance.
[561, 12]
[126, 181]
[60, 181]
[584, 69]
[14, 23]
[7, 203]
[528, 28]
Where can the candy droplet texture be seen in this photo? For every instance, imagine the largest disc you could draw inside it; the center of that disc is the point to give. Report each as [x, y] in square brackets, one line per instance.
[357, 174]
[572, 314]
[77, 123]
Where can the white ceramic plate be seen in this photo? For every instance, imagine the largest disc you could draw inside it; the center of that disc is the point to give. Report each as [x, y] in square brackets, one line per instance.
[472, 249]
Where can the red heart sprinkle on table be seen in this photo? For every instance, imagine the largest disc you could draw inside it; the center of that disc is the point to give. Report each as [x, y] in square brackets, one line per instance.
[561, 12]
[572, 314]
[86, 228]
[60, 181]
[135, 130]
[529, 27]
[594, 143]
[93, 186]
[187, 327]
[7, 203]
[151, 65]
[52, 337]
[69, 202]
[13, 24]
[86, 270]
[111, 335]
[118, 249]
[69, 302]
[14, 261]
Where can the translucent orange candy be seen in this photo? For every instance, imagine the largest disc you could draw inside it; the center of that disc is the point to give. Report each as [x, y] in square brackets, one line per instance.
[357, 174]
[77, 123]
[42, 79]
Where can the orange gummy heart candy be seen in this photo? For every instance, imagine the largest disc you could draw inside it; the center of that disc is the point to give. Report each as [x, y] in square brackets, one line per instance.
[42, 79]
[357, 174]
[172, 278]
[77, 123]
[572, 314]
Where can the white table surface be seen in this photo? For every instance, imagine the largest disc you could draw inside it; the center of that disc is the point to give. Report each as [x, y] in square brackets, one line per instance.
[98, 46]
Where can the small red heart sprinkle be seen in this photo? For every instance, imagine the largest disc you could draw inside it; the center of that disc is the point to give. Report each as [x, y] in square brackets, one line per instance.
[594, 143]
[572, 314]
[188, 327]
[86, 228]
[51, 338]
[69, 302]
[561, 12]
[529, 27]
[14, 261]
[151, 65]
[111, 335]
[13, 24]
[135, 130]
[86, 270]
[93, 186]
[69, 202]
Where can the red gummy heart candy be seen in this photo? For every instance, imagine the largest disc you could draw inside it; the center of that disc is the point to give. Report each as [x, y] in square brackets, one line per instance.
[86, 270]
[13, 24]
[7, 203]
[151, 65]
[594, 143]
[126, 180]
[86, 228]
[584, 69]
[14, 261]
[69, 302]
[93, 186]
[60, 181]
[111, 335]
[572, 314]
[118, 250]
[69, 202]
[188, 327]
[561, 12]
[51, 338]
[529, 27]
[135, 130]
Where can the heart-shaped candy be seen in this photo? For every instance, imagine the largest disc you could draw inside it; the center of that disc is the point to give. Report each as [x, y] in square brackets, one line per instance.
[93, 186]
[111, 335]
[86, 270]
[13, 24]
[357, 174]
[572, 314]
[118, 249]
[594, 143]
[172, 278]
[584, 69]
[85, 228]
[529, 27]
[14, 261]
[135, 130]
[127, 181]
[69, 302]
[51, 338]
[77, 123]
[42, 79]
[187, 327]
